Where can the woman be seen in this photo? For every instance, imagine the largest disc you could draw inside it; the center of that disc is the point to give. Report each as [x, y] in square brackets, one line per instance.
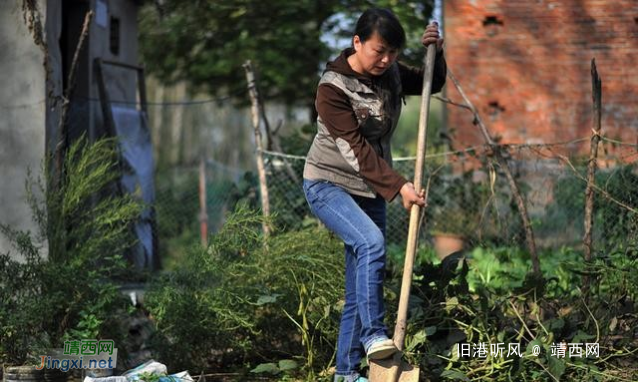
[348, 175]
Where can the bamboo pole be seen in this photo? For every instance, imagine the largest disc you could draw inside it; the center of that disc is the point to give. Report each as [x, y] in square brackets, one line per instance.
[263, 185]
[518, 197]
[596, 85]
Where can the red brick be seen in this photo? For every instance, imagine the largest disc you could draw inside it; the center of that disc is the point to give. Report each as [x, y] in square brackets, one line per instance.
[536, 66]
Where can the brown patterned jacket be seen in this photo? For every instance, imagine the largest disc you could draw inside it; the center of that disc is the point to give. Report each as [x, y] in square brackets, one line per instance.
[357, 116]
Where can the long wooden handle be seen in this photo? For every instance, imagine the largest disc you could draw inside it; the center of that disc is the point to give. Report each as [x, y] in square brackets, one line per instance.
[413, 234]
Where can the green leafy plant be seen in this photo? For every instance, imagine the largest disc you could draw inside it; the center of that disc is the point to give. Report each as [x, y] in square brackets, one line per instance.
[70, 294]
[283, 366]
[487, 296]
[151, 377]
[244, 300]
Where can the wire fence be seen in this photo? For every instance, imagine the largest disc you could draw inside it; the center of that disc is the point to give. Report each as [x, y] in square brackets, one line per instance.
[468, 196]
[205, 159]
[470, 203]
[469, 200]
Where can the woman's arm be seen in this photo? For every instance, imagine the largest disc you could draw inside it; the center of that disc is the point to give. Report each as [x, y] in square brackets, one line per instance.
[412, 78]
[336, 113]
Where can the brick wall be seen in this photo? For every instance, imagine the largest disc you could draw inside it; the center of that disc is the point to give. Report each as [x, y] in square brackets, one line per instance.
[525, 64]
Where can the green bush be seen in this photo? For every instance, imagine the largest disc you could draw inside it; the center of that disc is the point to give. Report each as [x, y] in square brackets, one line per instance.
[70, 294]
[273, 307]
[489, 296]
[244, 300]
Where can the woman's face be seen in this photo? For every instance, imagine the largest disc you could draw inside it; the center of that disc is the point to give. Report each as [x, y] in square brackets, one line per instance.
[374, 56]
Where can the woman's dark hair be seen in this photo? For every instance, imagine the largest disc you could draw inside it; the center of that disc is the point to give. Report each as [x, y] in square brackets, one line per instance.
[385, 23]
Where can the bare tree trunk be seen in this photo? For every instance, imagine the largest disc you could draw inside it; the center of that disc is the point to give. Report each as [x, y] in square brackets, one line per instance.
[596, 85]
[518, 197]
[263, 185]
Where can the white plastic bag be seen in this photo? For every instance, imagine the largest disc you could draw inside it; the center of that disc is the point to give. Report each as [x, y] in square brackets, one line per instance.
[150, 367]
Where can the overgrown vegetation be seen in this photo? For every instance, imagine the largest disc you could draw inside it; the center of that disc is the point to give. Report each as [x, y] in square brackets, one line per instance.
[487, 297]
[273, 307]
[68, 294]
[243, 302]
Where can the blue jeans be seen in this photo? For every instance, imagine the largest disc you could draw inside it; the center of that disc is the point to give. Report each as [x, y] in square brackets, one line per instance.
[360, 223]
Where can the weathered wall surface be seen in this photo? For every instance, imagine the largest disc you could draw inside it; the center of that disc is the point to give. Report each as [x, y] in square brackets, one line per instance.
[526, 66]
[22, 116]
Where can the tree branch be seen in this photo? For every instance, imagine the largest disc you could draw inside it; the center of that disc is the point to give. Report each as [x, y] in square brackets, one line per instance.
[520, 202]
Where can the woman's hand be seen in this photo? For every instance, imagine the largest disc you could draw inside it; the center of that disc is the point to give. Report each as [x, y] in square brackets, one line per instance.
[431, 36]
[411, 197]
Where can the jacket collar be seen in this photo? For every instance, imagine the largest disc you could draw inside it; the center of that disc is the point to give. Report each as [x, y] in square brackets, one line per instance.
[342, 66]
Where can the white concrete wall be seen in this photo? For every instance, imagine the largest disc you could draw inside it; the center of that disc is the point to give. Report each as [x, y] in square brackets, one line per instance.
[22, 116]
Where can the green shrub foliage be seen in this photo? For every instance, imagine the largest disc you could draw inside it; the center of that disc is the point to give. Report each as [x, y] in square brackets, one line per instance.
[68, 294]
[246, 300]
[271, 307]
